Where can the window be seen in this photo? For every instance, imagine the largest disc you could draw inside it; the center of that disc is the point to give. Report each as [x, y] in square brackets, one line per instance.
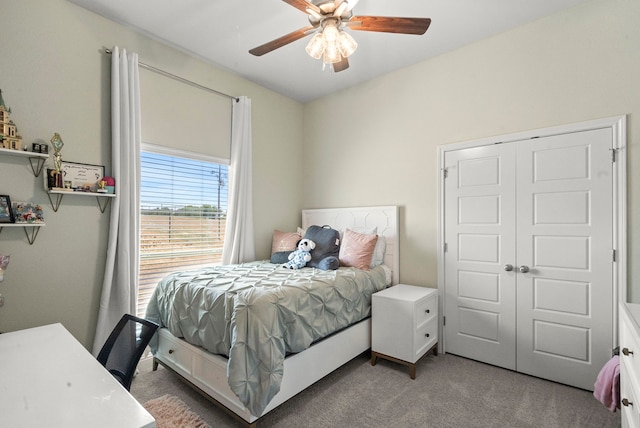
[183, 206]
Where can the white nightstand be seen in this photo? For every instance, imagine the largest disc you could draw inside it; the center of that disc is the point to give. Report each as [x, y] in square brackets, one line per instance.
[405, 324]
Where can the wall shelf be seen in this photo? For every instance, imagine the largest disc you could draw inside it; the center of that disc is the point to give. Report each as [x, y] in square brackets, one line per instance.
[30, 229]
[35, 159]
[55, 197]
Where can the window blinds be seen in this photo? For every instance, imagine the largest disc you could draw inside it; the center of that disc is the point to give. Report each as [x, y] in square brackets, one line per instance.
[183, 204]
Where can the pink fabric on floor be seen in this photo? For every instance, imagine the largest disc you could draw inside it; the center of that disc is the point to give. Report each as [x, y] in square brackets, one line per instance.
[607, 386]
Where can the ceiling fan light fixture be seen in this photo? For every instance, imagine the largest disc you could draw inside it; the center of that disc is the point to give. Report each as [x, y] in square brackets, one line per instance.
[331, 54]
[347, 44]
[316, 46]
[330, 42]
[331, 32]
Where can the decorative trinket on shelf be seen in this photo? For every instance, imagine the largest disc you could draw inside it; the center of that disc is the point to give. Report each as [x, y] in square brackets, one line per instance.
[28, 213]
[108, 184]
[9, 137]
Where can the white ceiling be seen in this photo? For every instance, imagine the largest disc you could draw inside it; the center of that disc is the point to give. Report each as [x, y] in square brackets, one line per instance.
[223, 31]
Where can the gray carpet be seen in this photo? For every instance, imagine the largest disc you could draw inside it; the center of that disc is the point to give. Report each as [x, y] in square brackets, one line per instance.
[448, 391]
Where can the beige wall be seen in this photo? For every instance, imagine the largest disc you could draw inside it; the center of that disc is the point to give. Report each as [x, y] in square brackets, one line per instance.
[574, 66]
[55, 79]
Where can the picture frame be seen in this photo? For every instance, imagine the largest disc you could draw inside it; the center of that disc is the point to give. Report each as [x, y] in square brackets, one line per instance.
[6, 212]
[53, 180]
[81, 175]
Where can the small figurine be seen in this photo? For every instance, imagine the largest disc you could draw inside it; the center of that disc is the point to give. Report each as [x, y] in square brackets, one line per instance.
[101, 186]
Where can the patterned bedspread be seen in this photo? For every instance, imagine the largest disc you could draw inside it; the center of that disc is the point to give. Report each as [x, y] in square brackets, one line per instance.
[255, 313]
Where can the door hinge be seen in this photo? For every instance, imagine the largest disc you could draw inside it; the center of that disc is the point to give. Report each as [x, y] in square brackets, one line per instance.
[445, 247]
[613, 155]
[445, 172]
[444, 321]
[613, 255]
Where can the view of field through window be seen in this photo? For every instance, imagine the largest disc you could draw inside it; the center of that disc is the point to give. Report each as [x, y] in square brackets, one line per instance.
[183, 207]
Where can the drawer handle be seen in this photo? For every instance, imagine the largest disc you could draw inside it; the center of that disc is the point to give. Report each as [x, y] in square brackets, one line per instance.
[170, 351]
[426, 335]
[626, 402]
[428, 311]
[626, 351]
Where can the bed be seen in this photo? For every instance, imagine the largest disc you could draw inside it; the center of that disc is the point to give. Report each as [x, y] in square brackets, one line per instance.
[302, 365]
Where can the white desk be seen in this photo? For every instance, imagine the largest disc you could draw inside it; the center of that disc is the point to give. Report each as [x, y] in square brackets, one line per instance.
[47, 378]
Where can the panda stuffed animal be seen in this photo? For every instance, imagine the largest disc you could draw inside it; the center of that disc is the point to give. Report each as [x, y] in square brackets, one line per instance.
[299, 258]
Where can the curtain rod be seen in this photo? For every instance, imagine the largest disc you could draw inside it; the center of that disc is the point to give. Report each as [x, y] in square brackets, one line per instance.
[180, 79]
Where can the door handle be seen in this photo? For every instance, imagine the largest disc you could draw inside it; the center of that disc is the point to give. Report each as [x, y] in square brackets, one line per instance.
[524, 269]
[508, 267]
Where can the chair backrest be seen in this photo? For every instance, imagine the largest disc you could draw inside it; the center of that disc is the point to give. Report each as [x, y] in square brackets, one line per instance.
[124, 347]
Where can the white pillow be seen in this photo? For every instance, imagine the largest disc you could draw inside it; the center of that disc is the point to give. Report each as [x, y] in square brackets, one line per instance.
[378, 251]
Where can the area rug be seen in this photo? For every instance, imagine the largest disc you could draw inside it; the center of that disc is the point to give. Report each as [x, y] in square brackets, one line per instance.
[170, 412]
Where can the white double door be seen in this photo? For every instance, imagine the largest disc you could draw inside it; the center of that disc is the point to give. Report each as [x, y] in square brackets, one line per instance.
[528, 259]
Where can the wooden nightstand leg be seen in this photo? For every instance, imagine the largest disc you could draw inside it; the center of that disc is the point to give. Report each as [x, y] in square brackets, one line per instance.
[374, 358]
[412, 371]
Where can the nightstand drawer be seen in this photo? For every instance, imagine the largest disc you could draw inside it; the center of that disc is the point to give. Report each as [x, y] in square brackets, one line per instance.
[426, 337]
[426, 310]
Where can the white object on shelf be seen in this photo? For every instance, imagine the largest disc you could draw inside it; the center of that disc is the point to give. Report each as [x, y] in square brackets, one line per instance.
[405, 324]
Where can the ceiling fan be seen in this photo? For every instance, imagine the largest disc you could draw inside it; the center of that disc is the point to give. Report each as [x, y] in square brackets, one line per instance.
[328, 19]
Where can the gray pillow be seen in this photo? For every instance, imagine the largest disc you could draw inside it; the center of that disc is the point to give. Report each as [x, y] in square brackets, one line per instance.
[280, 257]
[325, 255]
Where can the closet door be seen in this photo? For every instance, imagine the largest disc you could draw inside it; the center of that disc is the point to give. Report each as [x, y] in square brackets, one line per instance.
[565, 239]
[528, 260]
[480, 240]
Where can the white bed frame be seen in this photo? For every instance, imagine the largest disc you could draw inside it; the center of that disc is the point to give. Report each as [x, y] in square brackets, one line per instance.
[208, 372]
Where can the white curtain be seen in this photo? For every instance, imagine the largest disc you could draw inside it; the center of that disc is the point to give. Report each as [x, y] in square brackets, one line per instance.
[239, 245]
[119, 289]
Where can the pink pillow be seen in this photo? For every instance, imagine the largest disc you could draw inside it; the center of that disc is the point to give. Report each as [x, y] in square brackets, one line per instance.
[356, 249]
[284, 241]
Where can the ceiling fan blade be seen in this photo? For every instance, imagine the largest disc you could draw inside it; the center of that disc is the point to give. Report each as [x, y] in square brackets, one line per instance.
[341, 65]
[303, 5]
[387, 24]
[281, 41]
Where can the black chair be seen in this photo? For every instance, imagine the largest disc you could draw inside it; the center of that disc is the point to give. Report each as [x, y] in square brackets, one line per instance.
[124, 347]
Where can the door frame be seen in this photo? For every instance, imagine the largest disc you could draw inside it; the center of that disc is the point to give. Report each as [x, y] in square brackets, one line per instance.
[618, 126]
